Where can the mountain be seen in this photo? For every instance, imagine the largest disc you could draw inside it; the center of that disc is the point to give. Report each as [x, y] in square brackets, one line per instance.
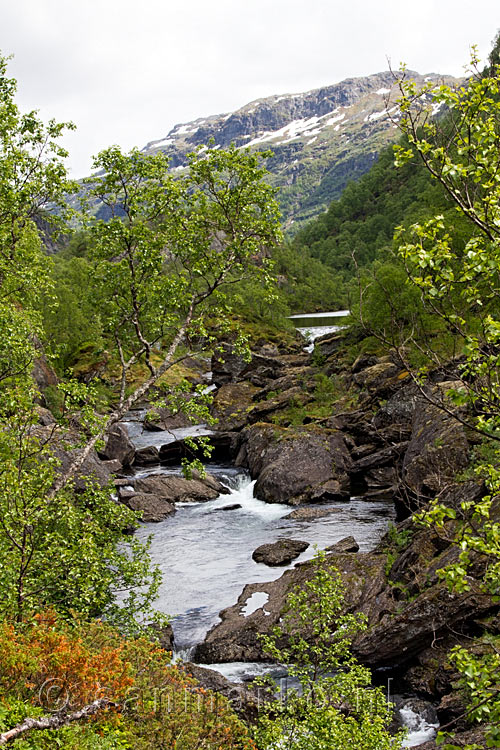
[321, 139]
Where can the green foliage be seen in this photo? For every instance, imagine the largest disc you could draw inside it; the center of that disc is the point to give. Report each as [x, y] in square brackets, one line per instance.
[336, 706]
[49, 666]
[66, 549]
[459, 283]
[361, 223]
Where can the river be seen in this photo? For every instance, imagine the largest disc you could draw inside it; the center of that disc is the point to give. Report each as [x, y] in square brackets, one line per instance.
[205, 552]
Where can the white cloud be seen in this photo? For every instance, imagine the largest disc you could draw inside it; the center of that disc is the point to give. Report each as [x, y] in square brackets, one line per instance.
[127, 72]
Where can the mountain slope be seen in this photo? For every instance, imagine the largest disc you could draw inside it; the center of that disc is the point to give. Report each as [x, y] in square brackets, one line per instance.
[321, 139]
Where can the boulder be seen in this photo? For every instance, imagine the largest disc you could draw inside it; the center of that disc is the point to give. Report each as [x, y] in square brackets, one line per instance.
[152, 508]
[343, 546]
[297, 465]
[147, 456]
[119, 446]
[281, 552]
[175, 489]
[232, 506]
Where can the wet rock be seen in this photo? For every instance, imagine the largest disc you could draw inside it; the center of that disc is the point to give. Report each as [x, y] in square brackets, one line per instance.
[152, 508]
[119, 446]
[147, 456]
[176, 489]
[233, 506]
[309, 513]
[281, 552]
[348, 544]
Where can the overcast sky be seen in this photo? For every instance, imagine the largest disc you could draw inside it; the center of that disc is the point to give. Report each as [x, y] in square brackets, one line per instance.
[127, 71]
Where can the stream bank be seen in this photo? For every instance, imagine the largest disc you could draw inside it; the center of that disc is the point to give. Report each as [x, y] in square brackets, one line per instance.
[388, 443]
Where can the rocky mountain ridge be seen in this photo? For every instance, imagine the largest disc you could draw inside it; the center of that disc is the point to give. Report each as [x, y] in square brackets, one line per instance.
[321, 139]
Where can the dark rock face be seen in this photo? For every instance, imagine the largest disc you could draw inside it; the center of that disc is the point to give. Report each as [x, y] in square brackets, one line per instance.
[119, 446]
[437, 452]
[178, 489]
[297, 466]
[281, 552]
[224, 449]
[147, 456]
[152, 508]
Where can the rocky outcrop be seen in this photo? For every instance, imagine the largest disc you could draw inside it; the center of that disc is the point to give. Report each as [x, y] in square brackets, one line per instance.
[235, 638]
[281, 552]
[309, 513]
[438, 449]
[347, 544]
[232, 404]
[244, 701]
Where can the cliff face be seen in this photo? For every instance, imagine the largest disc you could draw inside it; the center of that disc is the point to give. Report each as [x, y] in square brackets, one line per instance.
[321, 139]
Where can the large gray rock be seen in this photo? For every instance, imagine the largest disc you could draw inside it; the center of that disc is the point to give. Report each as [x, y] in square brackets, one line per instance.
[119, 446]
[176, 489]
[152, 509]
[281, 552]
[297, 466]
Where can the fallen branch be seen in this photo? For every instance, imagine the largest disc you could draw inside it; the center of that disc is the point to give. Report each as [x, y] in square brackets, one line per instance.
[59, 719]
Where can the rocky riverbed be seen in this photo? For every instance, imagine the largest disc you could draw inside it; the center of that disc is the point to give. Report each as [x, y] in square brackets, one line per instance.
[287, 472]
